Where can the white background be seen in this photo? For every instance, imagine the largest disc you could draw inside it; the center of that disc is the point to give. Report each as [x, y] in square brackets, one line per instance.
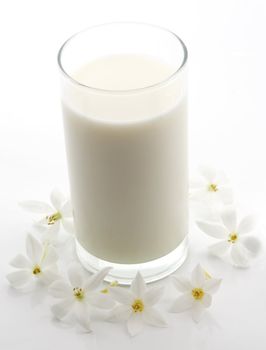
[227, 78]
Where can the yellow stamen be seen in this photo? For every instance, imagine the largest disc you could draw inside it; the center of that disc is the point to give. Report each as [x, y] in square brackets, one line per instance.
[213, 188]
[233, 237]
[78, 293]
[112, 284]
[138, 305]
[36, 270]
[51, 219]
[207, 275]
[197, 293]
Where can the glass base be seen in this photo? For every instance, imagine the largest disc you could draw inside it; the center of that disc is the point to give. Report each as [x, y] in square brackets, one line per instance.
[124, 273]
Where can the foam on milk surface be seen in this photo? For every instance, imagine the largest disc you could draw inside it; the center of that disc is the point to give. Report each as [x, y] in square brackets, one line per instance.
[123, 72]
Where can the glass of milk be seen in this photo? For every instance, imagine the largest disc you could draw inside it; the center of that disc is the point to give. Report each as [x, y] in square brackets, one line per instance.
[125, 119]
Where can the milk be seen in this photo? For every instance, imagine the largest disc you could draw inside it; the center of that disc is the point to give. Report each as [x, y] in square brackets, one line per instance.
[126, 147]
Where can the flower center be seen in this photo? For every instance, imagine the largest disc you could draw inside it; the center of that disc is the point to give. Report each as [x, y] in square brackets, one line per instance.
[36, 270]
[233, 237]
[213, 188]
[78, 293]
[197, 293]
[138, 305]
[51, 219]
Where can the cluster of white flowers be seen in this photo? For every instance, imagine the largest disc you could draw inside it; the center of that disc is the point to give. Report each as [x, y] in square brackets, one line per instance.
[212, 196]
[78, 293]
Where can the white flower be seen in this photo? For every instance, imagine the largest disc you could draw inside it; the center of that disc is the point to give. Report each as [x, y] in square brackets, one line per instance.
[211, 187]
[52, 216]
[197, 292]
[78, 294]
[231, 235]
[136, 305]
[38, 266]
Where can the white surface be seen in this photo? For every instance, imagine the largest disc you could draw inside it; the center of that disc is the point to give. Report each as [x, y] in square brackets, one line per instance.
[227, 56]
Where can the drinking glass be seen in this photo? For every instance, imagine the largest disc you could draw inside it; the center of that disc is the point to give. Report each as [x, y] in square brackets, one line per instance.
[126, 147]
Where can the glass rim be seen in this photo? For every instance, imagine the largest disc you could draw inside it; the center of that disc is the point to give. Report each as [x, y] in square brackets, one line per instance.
[126, 91]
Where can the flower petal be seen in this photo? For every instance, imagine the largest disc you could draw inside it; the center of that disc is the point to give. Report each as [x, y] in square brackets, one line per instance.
[207, 172]
[36, 207]
[42, 221]
[20, 262]
[219, 249]
[212, 229]
[60, 289]
[101, 301]
[18, 279]
[212, 285]
[66, 209]
[120, 313]
[182, 284]
[50, 257]
[34, 249]
[228, 217]
[197, 311]
[153, 317]
[75, 275]
[206, 300]
[122, 295]
[183, 303]
[95, 280]
[240, 255]
[246, 225]
[48, 276]
[68, 225]
[57, 198]
[135, 323]
[46, 238]
[153, 295]
[138, 286]
[221, 178]
[198, 276]
[49, 232]
[54, 228]
[82, 316]
[61, 309]
[40, 226]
